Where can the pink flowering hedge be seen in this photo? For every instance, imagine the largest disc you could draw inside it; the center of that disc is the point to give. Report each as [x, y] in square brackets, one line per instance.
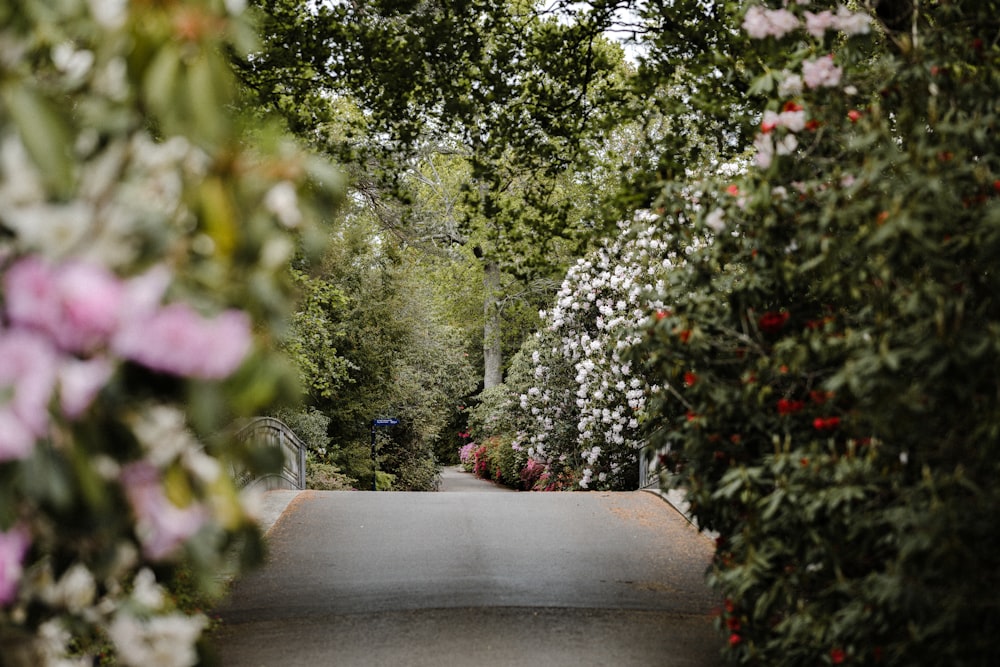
[143, 263]
[829, 360]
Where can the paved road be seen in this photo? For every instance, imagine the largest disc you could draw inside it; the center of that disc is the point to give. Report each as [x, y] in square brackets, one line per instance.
[474, 578]
[455, 479]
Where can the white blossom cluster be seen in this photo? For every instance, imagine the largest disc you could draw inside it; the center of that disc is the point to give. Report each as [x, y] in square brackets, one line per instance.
[603, 300]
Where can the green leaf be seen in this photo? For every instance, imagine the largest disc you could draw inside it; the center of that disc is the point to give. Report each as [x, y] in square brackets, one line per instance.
[45, 135]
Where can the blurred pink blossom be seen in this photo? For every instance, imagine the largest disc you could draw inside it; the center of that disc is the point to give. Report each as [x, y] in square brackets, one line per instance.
[817, 24]
[178, 340]
[760, 22]
[80, 382]
[162, 527]
[821, 72]
[28, 366]
[76, 304]
[13, 546]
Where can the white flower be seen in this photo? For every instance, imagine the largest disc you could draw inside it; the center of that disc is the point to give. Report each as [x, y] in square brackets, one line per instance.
[73, 63]
[716, 221]
[765, 150]
[146, 591]
[794, 121]
[852, 23]
[787, 144]
[76, 589]
[236, 7]
[790, 84]
[282, 201]
[109, 13]
[160, 641]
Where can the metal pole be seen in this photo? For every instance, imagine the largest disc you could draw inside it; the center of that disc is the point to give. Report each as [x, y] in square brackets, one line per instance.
[374, 461]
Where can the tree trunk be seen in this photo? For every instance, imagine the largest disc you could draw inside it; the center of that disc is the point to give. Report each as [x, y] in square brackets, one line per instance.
[492, 352]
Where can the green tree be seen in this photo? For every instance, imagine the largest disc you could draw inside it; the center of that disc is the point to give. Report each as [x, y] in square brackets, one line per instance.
[381, 321]
[515, 93]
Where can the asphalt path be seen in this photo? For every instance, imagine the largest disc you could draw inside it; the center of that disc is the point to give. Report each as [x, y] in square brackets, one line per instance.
[475, 578]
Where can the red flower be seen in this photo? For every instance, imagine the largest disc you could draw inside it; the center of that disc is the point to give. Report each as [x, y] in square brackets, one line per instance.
[690, 379]
[733, 189]
[837, 656]
[735, 639]
[854, 115]
[684, 335]
[787, 406]
[820, 397]
[733, 623]
[826, 423]
[771, 322]
[791, 106]
[729, 604]
[660, 314]
[812, 125]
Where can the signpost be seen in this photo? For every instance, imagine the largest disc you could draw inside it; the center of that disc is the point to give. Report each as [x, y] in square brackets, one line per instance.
[392, 421]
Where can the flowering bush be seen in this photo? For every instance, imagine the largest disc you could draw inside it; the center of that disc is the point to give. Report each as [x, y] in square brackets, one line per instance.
[570, 407]
[586, 402]
[824, 432]
[144, 248]
[467, 456]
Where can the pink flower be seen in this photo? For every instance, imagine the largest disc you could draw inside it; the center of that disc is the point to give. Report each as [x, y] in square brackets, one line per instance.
[76, 304]
[769, 121]
[821, 72]
[162, 527]
[765, 151]
[144, 293]
[793, 119]
[818, 24]
[13, 546]
[80, 382]
[760, 22]
[27, 379]
[853, 23]
[177, 340]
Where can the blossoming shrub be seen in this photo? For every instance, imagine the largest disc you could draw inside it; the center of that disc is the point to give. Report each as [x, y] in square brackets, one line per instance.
[144, 245]
[467, 456]
[830, 357]
[586, 400]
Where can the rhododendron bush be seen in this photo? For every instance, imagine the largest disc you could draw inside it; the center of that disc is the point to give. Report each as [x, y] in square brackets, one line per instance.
[571, 399]
[144, 245]
[831, 354]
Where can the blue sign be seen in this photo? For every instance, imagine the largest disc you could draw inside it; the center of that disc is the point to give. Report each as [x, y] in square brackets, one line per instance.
[386, 422]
